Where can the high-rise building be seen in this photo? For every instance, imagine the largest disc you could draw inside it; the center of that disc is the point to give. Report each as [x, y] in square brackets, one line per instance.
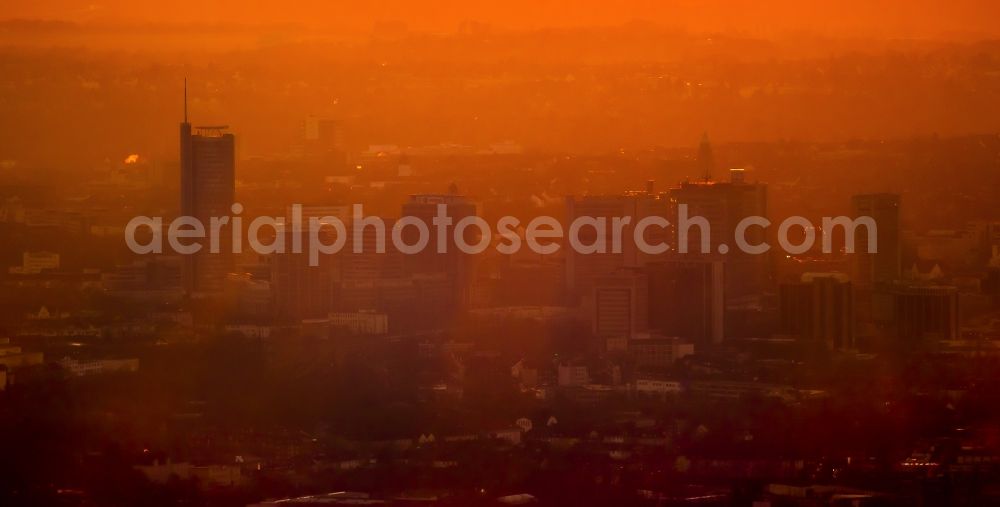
[583, 269]
[922, 313]
[724, 205]
[687, 299]
[301, 290]
[882, 266]
[368, 264]
[819, 308]
[418, 302]
[620, 305]
[452, 262]
[208, 189]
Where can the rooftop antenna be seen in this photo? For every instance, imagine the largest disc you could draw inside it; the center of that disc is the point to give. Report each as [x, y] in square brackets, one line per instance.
[185, 100]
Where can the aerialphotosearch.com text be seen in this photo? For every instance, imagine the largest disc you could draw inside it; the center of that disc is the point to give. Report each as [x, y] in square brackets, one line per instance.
[544, 235]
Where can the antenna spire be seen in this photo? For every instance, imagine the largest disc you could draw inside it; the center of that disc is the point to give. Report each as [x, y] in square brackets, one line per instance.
[185, 100]
[706, 162]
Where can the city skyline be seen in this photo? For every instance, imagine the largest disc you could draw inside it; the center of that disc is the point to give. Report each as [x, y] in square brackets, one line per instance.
[470, 254]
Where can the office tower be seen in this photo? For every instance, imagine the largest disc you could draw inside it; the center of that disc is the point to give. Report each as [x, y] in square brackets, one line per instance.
[452, 262]
[819, 308]
[302, 291]
[724, 205]
[620, 305]
[924, 313]
[881, 267]
[208, 188]
[366, 265]
[417, 302]
[583, 269]
[687, 299]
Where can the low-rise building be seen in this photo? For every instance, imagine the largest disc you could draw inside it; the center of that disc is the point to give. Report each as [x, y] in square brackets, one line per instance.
[362, 322]
[650, 351]
[33, 263]
[729, 389]
[572, 375]
[12, 357]
[657, 387]
[208, 475]
[84, 367]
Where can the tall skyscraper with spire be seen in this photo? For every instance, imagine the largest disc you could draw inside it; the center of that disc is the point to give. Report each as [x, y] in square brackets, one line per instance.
[208, 189]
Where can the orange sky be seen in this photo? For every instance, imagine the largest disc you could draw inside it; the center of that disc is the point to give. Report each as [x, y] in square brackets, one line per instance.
[253, 67]
[965, 19]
